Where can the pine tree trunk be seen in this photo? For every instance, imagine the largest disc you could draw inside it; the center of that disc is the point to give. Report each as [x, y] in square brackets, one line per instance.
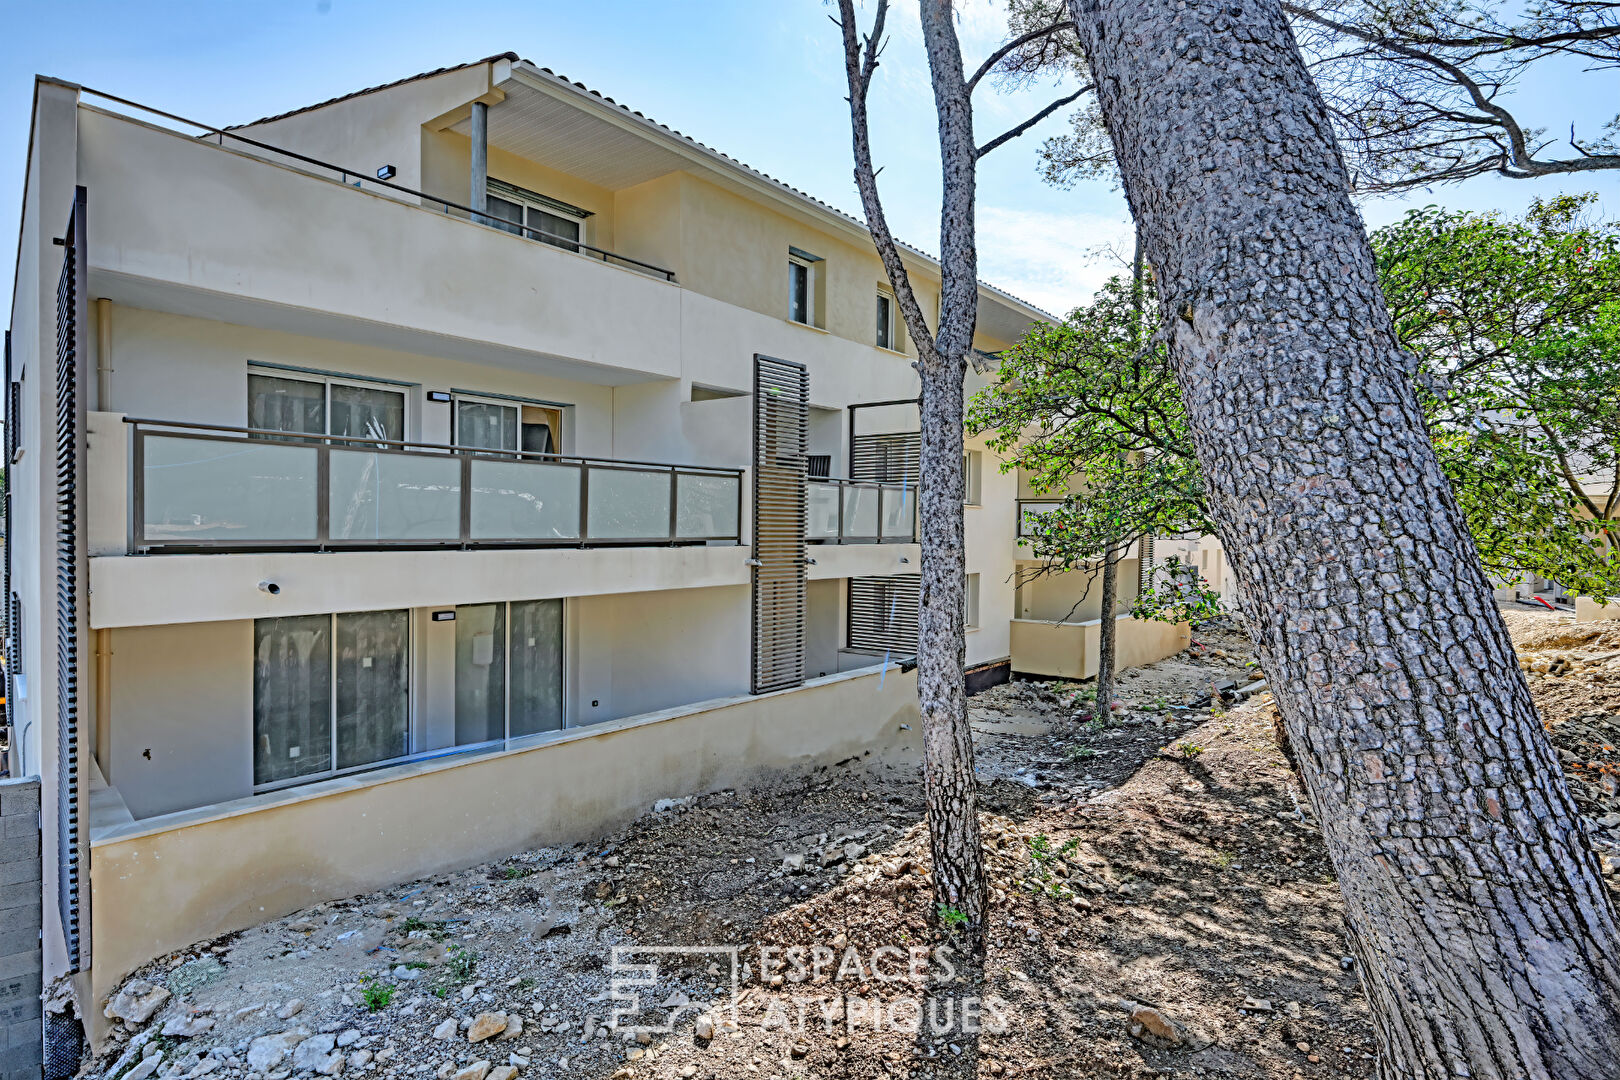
[1487, 944]
[951, 789]
[1107, 634]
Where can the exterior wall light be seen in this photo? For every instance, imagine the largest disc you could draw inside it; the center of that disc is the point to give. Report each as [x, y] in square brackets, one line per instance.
[385, 173]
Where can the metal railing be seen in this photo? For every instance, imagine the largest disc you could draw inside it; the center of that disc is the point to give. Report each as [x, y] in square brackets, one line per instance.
[846, 511]
[1028, 508]
[206, 487]
[359, 178]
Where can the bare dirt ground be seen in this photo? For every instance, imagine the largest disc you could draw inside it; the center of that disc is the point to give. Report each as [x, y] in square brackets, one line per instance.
[1162, 906]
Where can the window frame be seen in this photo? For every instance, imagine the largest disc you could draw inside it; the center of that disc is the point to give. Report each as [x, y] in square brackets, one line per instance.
[891, 330]
[327, 381]
[970, 602]
[545, 204]
[809, 269]
[972, 477]
[415, 669]
[558, 409]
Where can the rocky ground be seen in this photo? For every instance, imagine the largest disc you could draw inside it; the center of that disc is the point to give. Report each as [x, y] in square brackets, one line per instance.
[1162, 906]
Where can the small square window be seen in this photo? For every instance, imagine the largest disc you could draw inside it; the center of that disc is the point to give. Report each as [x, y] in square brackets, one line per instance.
[970, 602]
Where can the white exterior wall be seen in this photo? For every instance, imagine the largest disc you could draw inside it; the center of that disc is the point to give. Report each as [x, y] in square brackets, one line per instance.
[214, 259]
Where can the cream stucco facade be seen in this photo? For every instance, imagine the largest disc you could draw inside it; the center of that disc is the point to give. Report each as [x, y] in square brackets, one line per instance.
[317, 586]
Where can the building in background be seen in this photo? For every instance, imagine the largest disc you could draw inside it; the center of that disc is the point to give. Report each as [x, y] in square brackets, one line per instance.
[455, 466]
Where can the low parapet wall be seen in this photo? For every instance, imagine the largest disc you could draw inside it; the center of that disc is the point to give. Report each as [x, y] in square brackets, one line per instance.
[166, 882]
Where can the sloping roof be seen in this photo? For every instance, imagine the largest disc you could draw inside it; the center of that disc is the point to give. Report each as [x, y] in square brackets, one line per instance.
[373, 89]
[580, 88]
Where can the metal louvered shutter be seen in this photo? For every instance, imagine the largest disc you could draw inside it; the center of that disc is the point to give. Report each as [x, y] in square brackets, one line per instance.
[892, 456]
[1144, 567]
[71, 851]
[781, 443]
[883, 613]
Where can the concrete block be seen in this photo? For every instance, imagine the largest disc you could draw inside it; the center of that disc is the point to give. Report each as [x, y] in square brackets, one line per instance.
[21, 1011]
[23, 892]
[27, 962]
[19, 797]
[29, 1033]
[22, 1062]
[21, 935]
[19, 848]
[19, 871]
[20, 825]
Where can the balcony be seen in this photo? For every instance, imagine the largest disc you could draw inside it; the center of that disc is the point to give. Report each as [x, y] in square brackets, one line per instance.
[861, 512]
[204, 488]
[1030, 509]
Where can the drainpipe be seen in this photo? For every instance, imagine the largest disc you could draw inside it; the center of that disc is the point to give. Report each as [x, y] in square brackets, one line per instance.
[103, 354]
[103, 736]
[101, 740]
[477, 196]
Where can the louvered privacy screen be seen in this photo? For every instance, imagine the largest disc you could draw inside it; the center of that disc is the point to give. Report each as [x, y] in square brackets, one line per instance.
[890, 456]
[883, 613]
[1144, 568]
[70, 577]
[781, 438]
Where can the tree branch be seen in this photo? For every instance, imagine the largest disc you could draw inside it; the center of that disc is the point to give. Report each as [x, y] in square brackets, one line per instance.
[1013, 133]
[1015, 44]
[859, 66]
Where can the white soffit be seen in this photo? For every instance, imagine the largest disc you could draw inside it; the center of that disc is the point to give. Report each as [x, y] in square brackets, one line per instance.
[535, 125]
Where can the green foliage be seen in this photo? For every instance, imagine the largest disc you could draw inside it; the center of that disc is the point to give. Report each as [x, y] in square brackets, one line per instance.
[953, 918]
[1176, 593]
[1189, 750]
[462, 964]
[1085, 398]
[377, 993]
[1516, 328]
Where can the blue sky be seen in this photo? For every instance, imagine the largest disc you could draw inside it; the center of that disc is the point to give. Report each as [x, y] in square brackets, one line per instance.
[760, 80]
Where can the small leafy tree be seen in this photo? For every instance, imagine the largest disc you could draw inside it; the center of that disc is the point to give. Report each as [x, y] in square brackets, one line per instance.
[1089, 402]
[1515, 326]
[1177, 593]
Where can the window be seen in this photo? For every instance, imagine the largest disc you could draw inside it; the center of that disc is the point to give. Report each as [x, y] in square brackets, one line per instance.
[972, 472]
[333, 693]
[312, 707]
[539, 217]
[503, 425]
[798, 291]
[885, 321]
[970, 602]
[316, 405]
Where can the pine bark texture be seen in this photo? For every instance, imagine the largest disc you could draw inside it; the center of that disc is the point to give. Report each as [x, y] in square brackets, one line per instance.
[950, 785]
[952, 790]
[1487, 944]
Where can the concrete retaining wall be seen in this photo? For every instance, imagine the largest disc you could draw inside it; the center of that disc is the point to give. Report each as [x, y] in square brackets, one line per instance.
[21, 1039]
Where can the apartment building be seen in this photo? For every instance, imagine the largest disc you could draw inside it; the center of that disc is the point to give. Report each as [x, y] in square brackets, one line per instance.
[458, 465]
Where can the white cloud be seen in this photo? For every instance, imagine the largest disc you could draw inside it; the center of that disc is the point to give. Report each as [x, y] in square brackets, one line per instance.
[1053, 260]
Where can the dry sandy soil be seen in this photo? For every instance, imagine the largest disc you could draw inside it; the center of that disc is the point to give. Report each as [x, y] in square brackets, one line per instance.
[1159, 856]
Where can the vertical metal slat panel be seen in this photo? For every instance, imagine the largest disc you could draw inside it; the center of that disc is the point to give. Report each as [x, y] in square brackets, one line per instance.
[883, 613]
[891, 456]
[781, 445]
[70, 578]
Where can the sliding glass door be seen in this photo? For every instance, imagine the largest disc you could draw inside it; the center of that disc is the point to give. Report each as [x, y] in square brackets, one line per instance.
[480, 673]
[536, 704]
[373, 687]
[333, 693]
